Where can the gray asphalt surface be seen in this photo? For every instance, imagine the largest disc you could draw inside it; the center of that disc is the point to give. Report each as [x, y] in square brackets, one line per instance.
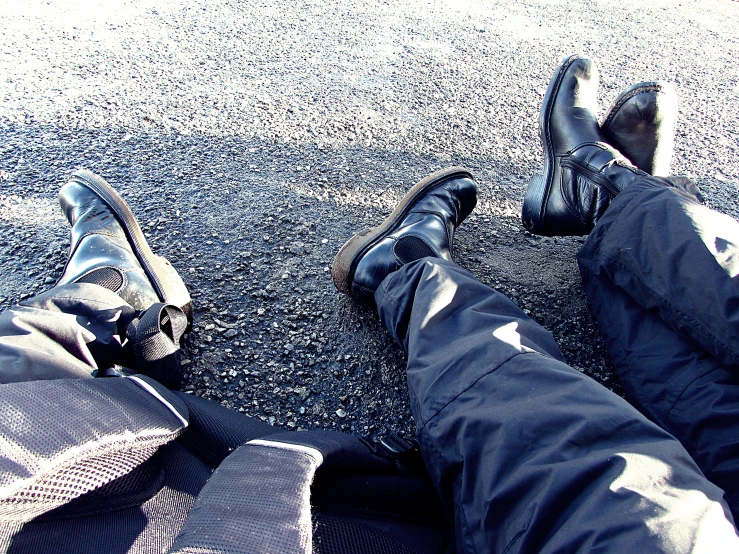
[253, 138]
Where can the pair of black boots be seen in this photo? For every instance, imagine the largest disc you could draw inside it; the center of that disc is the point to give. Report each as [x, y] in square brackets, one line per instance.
[586, 165]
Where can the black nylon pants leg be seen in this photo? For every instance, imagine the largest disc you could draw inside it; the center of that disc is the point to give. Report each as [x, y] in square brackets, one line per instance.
[661, 273]
[66, 332]
[528, 454]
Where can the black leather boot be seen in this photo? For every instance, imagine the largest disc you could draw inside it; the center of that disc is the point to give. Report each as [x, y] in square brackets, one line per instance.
[108, 247]
[421, 226]
[582, 173]
[641, 125]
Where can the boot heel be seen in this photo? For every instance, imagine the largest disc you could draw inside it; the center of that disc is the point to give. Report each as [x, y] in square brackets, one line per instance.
[533, 203]
[341, 266]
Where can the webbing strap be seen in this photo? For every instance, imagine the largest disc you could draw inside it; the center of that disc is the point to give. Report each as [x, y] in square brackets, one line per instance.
[155, 336]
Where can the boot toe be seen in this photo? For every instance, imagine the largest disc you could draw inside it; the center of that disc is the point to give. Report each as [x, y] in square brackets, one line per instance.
[569, 113]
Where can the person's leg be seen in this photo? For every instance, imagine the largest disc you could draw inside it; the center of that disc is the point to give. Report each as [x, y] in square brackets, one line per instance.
[68, 332]
[659, 271]
[529, 454]
[658, 266]
[675, 257]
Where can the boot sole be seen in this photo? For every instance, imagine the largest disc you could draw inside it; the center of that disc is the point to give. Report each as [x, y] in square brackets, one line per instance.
[345, 262]
[165, 279]
[651, 165]
[540, 185]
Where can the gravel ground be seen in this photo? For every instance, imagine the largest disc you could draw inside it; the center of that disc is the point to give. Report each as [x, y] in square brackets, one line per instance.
[253, 138]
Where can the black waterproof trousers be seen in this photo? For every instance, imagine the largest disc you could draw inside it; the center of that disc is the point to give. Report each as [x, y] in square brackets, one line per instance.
[662, 273]
[526, 453]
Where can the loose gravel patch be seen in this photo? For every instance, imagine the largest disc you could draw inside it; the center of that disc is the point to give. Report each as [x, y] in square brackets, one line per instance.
[253, 138]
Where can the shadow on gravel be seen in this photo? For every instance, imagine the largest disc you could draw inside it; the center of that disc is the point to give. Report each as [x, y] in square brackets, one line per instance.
[253, 228]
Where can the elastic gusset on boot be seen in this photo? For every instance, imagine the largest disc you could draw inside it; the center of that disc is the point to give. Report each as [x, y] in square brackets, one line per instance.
[409, 249]
[106, 277]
